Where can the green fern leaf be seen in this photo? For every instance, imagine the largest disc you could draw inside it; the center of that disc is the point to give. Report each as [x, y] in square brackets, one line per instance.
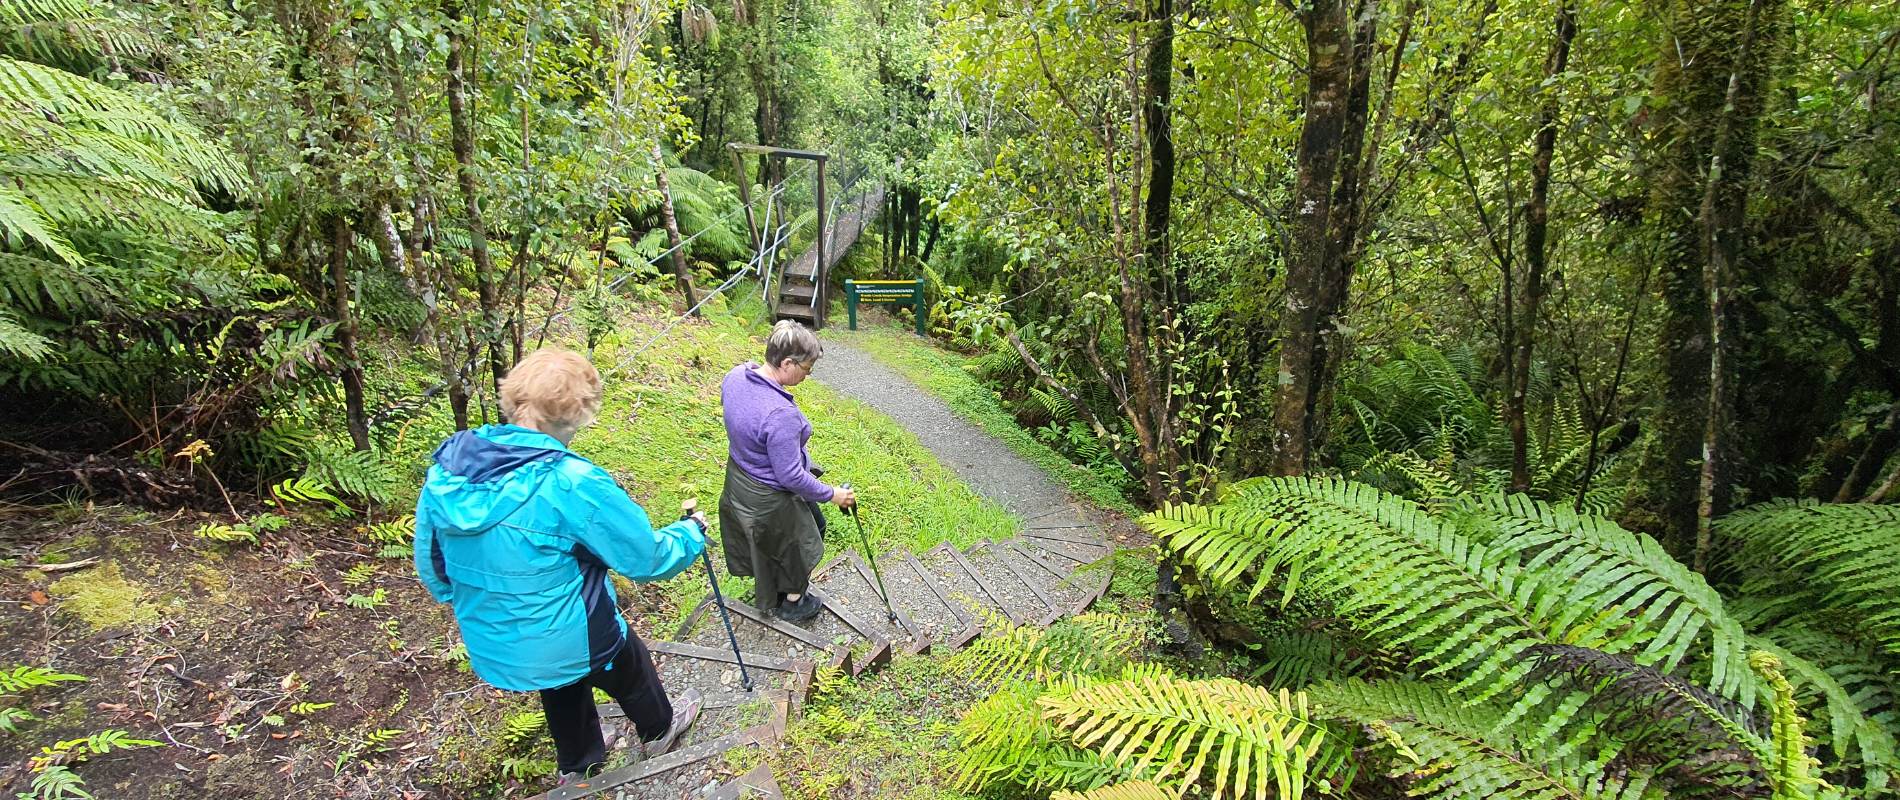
[1453, 749]
[1848, 553]
[1248, 741]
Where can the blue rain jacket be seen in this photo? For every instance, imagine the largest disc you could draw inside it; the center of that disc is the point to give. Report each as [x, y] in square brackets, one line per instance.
[517, 533]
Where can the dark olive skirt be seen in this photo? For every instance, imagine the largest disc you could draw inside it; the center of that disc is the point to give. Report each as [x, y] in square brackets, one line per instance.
[771, 535]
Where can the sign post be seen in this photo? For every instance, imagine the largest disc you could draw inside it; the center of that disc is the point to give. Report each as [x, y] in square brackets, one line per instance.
[894, 292]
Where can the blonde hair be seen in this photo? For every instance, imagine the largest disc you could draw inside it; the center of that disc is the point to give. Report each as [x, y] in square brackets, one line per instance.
[792, 340]
[552, 389]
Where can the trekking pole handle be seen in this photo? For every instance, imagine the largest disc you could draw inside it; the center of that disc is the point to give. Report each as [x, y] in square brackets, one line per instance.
[689, 508]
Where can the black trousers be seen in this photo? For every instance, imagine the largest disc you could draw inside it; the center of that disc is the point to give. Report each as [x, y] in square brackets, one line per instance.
[632, 682]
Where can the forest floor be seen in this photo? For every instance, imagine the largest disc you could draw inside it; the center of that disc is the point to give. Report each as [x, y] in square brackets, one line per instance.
[309, 666]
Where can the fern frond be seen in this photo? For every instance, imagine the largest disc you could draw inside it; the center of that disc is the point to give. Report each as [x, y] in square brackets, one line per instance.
[1135, 790]
[18, 342]
[1600, 565]
[1006, 740]
[1403, 576]
[306, 489]
[23, 678]
[1848, 552]
[1247, 740]
[1856, 735]
[1791, 771]
[23, 223]
[1453, 749]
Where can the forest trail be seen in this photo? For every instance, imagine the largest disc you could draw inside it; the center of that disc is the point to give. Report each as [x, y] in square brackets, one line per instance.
[1056, 566]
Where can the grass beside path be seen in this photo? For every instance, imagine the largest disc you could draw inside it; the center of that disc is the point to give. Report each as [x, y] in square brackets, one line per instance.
[943, 374]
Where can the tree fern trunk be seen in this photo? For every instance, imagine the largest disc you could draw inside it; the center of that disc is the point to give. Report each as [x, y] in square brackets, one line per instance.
[671, 222]
[342, 239]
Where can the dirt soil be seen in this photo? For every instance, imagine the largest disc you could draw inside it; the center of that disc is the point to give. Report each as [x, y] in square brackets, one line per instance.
[304, 666]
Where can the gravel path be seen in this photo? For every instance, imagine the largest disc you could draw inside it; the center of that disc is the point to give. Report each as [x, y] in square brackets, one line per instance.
[987, 465]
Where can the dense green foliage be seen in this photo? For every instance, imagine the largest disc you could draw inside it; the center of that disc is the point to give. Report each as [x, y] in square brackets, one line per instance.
[1486, 289]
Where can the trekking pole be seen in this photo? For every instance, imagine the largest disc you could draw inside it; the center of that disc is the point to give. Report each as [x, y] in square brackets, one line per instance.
[871, 555]
[686, 511]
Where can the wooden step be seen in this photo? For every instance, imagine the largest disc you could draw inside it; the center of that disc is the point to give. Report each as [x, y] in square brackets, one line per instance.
[795, 293]
[1019, 589]
[757, 632]
[850, 584]
[927, 601]
[1074, 588]
[801, 313]
[965, 584]
[1065, 546]
[755, 785]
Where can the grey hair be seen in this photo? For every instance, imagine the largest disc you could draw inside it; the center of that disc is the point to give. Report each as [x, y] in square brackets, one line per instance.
[792, 340]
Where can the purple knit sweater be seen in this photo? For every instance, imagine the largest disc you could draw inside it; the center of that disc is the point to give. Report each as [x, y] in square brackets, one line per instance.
[766, 433]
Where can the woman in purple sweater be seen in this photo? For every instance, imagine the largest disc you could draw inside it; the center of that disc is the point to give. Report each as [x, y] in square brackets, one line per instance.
[770, 522]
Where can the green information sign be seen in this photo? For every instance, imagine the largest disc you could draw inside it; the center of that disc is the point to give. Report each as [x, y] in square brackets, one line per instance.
[911, 292]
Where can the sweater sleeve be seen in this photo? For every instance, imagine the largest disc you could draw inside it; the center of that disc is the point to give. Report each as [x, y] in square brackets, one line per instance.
[785, 448]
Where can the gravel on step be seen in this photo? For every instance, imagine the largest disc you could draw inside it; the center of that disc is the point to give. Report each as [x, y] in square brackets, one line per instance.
[959, 585]
[1015, 591]
[845, 587]
[942, 623]
[709, 631]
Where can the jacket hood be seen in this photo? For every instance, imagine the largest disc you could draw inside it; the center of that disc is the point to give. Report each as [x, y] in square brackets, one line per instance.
[484, 475]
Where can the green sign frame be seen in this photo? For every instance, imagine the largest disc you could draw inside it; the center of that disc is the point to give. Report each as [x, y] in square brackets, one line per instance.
[892, 292]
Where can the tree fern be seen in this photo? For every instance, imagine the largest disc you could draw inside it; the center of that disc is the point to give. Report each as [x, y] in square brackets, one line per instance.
[1245, 740]
[1845, 556]
[1445, 747]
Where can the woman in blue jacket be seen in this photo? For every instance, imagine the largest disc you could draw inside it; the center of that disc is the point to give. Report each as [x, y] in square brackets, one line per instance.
[517, 533]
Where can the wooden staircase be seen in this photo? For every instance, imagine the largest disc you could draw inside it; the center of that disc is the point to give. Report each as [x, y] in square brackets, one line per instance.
[1034, 579]
[801, 287]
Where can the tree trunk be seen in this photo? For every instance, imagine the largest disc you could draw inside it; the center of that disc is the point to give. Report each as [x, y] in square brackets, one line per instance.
[1872, 457]
[671, 222]
[1693, 77]
[1536, 247]
[1328, 48]
[1723, 211]
[462, 143]
[342, 239]
[1344, 230]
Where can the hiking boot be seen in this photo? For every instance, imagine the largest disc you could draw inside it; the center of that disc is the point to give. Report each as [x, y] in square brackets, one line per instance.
[685, 710]
[804, 608]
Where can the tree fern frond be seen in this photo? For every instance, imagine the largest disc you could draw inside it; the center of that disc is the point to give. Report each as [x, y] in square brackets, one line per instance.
[22, 12]
[1247, 740]
[1601, 565]
[1006, 739]
[1848, 552]
[37, 285]
[18, 342]
[1449, 748]
[1135, 790]
[24, 223]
